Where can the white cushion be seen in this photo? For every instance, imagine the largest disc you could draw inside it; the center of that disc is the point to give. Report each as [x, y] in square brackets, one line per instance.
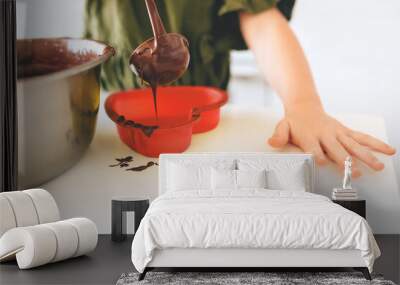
[294, 181]
[40, 244]
[251, 178]
[7, 218]
[288, 174]
[87, 233]
[45, 205]
[32, 246]
[181, 177]
[31, 233]
[23, 208]
[186, 174]
[67, 239]
[226, 179]
[27, 208]
[223, 179]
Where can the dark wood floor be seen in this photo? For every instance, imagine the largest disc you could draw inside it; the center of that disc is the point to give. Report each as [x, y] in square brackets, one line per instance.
[110, 260]
[103, 266]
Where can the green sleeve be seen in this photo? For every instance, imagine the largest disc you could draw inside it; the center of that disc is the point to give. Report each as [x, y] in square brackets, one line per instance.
[251, 6]
[286, 8]
[229, 26]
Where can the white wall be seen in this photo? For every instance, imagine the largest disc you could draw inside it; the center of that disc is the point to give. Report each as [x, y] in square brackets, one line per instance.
[50, 18]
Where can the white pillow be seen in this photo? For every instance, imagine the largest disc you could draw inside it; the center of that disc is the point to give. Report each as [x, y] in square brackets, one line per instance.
[188, 177]
[223, 179]
[282, 174]
[227, 179]
[194, 174]
[251, 178]
[292, 180]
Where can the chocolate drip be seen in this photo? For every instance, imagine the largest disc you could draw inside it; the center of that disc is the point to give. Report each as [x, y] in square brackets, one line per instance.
[154, 91]
[122, 162]
[147, 130]
[142, 167]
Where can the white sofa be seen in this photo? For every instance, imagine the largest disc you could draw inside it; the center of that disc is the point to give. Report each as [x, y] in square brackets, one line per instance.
[31, 231]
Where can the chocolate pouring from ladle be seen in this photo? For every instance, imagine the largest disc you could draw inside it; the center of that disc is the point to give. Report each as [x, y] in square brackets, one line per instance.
[162, 59]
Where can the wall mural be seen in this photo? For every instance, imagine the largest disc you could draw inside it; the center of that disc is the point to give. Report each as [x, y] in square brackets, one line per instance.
[100, 99]
[198, 126]
[59, 82]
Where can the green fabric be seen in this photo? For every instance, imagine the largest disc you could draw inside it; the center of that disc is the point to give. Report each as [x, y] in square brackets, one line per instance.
[211, 26]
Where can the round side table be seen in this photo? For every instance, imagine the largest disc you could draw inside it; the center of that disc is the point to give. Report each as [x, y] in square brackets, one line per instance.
[119, 207]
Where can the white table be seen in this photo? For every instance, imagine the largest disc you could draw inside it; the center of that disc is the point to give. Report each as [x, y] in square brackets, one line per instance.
[88, 187]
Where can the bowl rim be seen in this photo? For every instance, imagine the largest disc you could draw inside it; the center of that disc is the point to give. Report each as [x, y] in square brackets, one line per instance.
[195, 111]
[107, 52]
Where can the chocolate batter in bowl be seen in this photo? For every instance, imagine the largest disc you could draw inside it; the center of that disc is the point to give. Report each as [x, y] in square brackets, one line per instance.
[58, 94]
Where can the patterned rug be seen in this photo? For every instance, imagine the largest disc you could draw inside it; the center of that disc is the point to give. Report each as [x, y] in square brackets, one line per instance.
[244, 278]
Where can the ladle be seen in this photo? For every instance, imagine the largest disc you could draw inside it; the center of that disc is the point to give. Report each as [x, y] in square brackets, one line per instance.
[162, 59]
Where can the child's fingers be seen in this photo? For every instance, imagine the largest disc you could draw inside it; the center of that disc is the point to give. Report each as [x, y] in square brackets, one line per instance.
[361, 152]
[316, 150]
[373, 143]
[280, 138]
[337, 153]
[355, 172]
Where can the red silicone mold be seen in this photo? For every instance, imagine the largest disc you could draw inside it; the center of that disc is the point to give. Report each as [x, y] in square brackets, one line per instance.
[182, 111]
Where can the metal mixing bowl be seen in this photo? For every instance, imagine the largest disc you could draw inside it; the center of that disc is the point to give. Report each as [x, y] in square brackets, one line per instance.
[58, 92]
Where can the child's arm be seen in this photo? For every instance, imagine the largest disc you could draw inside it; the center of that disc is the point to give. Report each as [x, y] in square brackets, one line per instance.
[305, 124]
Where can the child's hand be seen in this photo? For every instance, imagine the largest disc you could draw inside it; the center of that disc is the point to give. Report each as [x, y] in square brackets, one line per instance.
[314, 131]
[306, 125]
